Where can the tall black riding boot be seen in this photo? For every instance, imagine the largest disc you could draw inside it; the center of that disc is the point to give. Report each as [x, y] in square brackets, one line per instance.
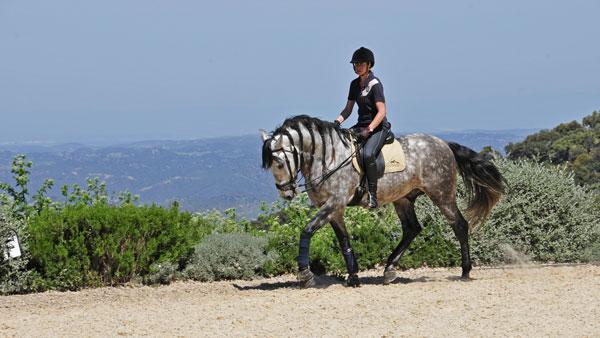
[372, 185]
[373, 195]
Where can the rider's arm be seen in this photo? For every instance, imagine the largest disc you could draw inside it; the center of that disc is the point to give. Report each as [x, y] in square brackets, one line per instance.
[379, 117]
[379, 99]
[346, 111]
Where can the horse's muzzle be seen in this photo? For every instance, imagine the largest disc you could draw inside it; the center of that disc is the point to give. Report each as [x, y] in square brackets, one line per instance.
[287, 195]
[287, 191]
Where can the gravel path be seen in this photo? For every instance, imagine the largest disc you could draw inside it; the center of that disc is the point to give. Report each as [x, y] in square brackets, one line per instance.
[525, 301]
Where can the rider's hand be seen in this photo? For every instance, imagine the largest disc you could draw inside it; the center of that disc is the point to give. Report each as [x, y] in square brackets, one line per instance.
[337, 123]
[364, 133]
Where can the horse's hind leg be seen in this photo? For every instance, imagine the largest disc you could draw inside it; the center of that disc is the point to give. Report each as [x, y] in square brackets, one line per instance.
[405, 208]
[461, 230]
[447, 205]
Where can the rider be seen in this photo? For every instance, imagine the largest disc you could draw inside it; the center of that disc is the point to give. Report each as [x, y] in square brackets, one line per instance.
[372, 126]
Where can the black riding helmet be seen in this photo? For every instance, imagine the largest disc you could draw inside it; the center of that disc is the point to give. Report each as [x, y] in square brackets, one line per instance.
[363, 55]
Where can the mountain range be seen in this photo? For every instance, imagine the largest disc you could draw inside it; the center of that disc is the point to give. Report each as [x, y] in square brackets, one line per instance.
[202, 174]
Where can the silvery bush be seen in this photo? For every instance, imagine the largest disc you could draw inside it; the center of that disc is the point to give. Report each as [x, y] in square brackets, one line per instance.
[228, 256]
[14, 276]
[544, 216]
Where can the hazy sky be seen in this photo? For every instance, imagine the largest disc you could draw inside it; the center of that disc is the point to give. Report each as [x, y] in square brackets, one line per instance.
[130, 70]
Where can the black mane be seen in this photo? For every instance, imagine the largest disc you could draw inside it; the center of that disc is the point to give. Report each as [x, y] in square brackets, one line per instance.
[309, 122]
[267, 155]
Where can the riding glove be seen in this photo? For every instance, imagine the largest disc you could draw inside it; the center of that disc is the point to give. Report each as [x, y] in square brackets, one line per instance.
[364, 133]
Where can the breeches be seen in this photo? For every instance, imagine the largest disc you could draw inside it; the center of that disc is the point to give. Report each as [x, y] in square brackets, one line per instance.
[373, 146]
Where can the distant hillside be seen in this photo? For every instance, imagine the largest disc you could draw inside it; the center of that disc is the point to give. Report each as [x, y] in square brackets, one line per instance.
[201, 174]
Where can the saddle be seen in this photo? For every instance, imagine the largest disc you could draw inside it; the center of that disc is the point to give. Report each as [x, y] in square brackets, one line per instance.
[390, 159]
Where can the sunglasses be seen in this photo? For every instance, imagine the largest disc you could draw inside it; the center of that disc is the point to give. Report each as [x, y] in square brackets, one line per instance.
[356, 64]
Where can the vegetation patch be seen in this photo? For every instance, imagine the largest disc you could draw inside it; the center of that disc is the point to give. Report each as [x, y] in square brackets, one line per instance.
[550, 213]
[228, 256]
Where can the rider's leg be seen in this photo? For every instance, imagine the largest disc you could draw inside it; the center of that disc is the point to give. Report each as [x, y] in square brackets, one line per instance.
[372, 148]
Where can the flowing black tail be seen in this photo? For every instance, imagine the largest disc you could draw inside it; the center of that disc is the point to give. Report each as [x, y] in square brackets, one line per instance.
[483, 182]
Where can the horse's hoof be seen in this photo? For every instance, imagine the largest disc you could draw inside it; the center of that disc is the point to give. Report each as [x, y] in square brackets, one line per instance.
[389, 276]
[306, 278]
[465, 278]
[311, 283]
[353, 281]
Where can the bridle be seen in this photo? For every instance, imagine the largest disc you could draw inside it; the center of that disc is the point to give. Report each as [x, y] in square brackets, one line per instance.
[291, 184]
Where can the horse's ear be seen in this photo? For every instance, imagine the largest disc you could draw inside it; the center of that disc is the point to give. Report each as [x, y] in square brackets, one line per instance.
[277, 142]
[263, 135]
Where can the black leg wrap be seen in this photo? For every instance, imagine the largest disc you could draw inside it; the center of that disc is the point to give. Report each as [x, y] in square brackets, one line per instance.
[350, 261]
[303, 253]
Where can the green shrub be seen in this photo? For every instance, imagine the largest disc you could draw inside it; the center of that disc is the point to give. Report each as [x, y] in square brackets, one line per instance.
[283, 224]
[161, 273]
[592, 253]
[228, 256]
[225, 222]
[88, 245]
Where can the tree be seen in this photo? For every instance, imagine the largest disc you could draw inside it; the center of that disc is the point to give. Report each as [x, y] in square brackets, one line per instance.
[592, 121]
[571, 144]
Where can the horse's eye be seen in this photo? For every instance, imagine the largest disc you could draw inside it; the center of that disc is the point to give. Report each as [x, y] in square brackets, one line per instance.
[279, 166]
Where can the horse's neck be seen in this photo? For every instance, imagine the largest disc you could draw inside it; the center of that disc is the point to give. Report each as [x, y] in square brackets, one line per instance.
[335, 154]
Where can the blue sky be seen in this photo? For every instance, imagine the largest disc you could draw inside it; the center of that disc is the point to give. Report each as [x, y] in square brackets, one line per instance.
[133, 70]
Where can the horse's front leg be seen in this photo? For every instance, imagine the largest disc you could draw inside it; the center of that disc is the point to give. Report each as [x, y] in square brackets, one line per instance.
[337, 223]
[305, 276]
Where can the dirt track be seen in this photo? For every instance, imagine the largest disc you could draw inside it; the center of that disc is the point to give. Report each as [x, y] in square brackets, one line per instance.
[513, 301]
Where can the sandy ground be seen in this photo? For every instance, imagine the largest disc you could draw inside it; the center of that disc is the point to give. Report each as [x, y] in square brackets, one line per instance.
[508, 301]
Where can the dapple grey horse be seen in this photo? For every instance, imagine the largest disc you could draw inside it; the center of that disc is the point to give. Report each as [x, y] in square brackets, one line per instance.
[320, 151]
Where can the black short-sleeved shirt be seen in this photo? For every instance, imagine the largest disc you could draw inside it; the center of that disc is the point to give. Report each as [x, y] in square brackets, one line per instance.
[366, 97]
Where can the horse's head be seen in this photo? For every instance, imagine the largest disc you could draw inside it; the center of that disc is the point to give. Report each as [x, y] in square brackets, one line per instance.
[280, 155]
